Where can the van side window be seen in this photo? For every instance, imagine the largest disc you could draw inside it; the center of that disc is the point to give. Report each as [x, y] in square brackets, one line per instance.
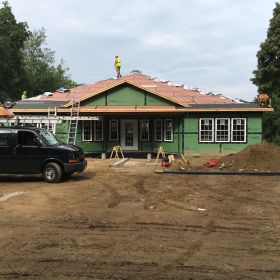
[26, 138]
[4, 138]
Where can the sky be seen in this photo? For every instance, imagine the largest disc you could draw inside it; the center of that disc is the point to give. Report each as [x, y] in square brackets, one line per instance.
[210, 45]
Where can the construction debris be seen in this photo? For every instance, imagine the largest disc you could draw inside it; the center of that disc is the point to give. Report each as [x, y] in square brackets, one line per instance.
[120, 162]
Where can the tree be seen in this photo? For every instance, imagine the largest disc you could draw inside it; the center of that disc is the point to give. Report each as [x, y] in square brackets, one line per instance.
[267, 76]
[12, 38]
[41, 70]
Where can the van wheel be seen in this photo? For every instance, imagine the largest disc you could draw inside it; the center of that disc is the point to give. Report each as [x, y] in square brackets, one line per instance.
[52, 172]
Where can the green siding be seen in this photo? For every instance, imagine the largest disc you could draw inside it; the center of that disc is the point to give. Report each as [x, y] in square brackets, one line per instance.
[186, 134]
[126, 95]
[191, 139]
[98, 100]
[153, 100]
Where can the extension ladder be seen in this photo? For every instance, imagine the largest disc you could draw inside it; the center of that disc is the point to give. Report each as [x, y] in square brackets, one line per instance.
[73, 123]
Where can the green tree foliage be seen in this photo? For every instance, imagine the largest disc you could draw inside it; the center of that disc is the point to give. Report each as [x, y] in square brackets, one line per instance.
[267, 76]
[12, 38]
[43, 74]
[25, 61]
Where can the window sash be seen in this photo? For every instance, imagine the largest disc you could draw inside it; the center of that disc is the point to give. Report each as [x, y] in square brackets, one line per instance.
[111, 132]
[87, 131]
[235, 129]
[168, 130]
[158, 129]
[98, 130]
[223, 131]
[203, 131]
[144, 129]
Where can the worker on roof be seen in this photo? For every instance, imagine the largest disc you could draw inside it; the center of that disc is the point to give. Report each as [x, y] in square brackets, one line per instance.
[24, 95]
[264, 100]
[118, 66]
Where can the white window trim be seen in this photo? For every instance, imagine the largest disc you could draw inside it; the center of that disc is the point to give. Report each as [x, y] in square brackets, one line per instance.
[229, 125]
[213, 123]
[245, 130]
[113, 120]
[171, 140]
[83, 132]
[102, 138]
[141, 139]
[158, 120]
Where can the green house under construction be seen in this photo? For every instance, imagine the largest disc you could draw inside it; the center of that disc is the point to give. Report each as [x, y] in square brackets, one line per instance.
[141, 113]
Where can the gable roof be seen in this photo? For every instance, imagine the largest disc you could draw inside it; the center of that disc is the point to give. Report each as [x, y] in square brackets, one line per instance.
[126, 82]
[177, 94]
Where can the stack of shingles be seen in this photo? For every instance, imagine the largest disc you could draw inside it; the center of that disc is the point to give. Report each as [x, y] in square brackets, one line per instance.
[5, 113]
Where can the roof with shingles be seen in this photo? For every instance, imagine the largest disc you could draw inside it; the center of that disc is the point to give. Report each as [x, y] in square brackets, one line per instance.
[175, 93]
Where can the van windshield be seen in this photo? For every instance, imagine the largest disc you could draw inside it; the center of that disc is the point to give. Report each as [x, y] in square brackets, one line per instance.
[49, 138]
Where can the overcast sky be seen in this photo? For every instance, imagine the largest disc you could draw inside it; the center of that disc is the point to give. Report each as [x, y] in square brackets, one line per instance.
[207, 44]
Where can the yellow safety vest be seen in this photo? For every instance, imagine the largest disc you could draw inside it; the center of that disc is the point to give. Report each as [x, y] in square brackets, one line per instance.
[118, 62]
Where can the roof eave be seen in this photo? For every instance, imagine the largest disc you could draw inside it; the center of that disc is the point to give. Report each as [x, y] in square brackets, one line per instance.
[95, 109]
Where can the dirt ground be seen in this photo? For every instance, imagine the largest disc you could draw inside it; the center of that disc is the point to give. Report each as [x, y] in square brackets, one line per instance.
[130, 223]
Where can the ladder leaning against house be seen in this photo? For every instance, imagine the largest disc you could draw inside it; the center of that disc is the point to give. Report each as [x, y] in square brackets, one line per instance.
[73, 123]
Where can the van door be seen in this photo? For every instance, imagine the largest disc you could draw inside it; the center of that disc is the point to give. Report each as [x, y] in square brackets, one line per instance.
[29, 155]
[6, 151]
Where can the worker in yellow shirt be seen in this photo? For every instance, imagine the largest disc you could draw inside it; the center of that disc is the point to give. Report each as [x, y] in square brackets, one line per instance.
[118, 66]
[24, 95]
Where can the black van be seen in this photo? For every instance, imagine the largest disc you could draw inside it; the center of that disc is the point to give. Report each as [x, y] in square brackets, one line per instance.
[32, 150]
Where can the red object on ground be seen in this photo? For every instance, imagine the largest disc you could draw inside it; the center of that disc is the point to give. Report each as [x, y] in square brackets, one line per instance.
[211, 163]
[164, 164]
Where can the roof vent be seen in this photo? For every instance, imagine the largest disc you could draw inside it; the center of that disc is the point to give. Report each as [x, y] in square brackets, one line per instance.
[48, 93]
[135, 71]
[195, 89]
[63, 89]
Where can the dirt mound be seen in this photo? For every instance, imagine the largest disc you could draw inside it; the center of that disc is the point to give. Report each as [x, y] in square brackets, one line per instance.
[259, 157]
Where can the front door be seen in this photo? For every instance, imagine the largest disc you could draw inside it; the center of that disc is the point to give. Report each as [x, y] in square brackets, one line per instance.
[129, 135]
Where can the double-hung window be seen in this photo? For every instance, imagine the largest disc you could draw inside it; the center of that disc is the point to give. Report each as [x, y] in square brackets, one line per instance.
[222, 127]
[158, 130]
[87, 131]
[238, 130]
[168, 130]
[98, 130]
[113, 130]
[144, 130]
[206, 130]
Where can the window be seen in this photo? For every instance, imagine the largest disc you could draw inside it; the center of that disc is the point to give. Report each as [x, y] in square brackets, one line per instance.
[113, 130]
[4, 138]
[87, 131]
[222, 130]
[206, 130]
[98, 130]
[144, 130]
[26, 138]
[168, 130]
[238, 130]
[158, 130]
